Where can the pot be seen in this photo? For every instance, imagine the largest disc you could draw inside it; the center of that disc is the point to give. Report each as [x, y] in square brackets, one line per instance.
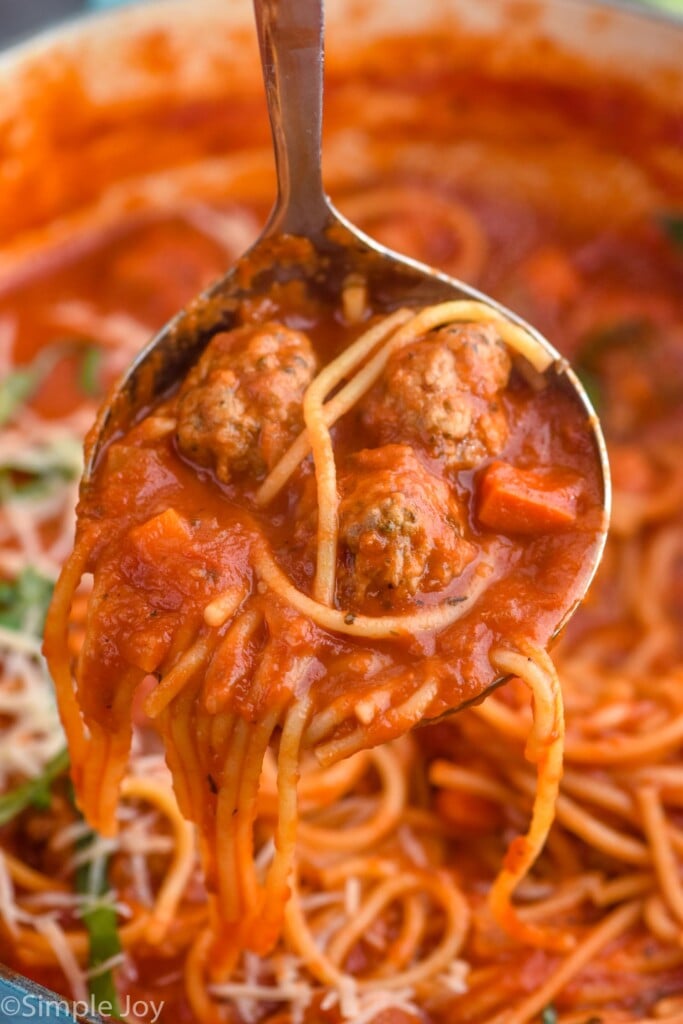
[124, 114]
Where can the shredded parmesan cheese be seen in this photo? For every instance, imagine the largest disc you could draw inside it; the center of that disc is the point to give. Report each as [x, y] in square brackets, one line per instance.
[8, 906]
[234, 229]
[48, 927]
[32, 734]
[352, 896]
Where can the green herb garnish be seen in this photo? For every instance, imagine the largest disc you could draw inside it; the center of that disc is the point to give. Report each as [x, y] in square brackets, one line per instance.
[99, 918]
[15, 389]
[549, 1015]
[24, 601]
[20, 384]
[629, 334]
[34, 792]
[591, 385]
[23, 382]
[672, 226]
[90, 370]
[38, 468]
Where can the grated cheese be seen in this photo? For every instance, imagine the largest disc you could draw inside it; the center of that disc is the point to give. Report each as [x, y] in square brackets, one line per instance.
[118, 960]
[455, 978]
[234, 230]
[412, 847]
[79, 903]
[371, 1004]
[25, 530]
[250, 993]
[33, 734]
[98, 849]
[264, 857]
[73, 973]
[124, 334]
[349, 1003]
[142, 884]
[44, 923]
[138, 842]
[324, 934]
[352, 896]
[68, 835]
[8, 905]
[318, 900]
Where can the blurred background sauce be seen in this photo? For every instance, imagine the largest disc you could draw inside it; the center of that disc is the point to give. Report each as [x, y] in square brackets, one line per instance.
[20, 18]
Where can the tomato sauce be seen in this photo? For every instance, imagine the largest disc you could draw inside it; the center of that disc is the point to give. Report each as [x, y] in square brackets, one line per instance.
[162, 574]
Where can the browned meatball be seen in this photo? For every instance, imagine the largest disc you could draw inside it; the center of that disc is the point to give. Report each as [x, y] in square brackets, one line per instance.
[400, 528]
[444, 393]
[239, 408]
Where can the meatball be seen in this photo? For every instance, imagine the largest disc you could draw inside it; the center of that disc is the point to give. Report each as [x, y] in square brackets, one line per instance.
[400, 529]
[239, 408]
[443, 393]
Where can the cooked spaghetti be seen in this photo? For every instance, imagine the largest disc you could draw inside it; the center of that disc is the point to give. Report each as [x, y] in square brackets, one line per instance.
[397, 892]
[189, 594]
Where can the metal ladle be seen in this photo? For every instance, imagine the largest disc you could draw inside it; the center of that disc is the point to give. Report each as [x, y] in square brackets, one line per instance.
[291, 43]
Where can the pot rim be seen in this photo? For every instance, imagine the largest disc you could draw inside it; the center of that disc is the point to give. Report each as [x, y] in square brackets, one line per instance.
[29, 44]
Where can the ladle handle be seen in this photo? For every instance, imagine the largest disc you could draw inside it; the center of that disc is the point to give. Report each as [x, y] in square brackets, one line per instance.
[290, 36]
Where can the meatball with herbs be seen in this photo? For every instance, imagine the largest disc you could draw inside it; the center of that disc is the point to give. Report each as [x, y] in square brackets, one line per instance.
[400, 529]
[239, 408]
[443, 393]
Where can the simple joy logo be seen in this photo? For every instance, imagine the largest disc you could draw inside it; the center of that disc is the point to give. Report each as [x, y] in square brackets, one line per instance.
[27, 1006]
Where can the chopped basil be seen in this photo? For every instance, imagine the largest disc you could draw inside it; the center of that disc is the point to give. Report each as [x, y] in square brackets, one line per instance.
[90, 370]
[37, 469]
[15, 389]
[672, 226]
[19, 385]
[24, 601]
[549, 1015]
[630, 334]
[591, 385]
[23, 382]
[34, 792]
[635, 332]
[92, 880]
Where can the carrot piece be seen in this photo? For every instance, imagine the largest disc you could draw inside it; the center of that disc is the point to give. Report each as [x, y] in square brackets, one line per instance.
[166, 528]
[514, 500]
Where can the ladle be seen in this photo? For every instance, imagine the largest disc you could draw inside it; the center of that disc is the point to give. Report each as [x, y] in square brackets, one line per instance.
[291, 43]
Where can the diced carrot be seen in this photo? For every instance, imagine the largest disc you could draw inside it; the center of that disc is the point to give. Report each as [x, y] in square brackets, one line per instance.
[164, 529]
[514, 500]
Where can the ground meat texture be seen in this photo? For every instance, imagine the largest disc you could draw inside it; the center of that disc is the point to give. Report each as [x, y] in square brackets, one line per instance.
[443, 394]
[239, 408]
[400, 529]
